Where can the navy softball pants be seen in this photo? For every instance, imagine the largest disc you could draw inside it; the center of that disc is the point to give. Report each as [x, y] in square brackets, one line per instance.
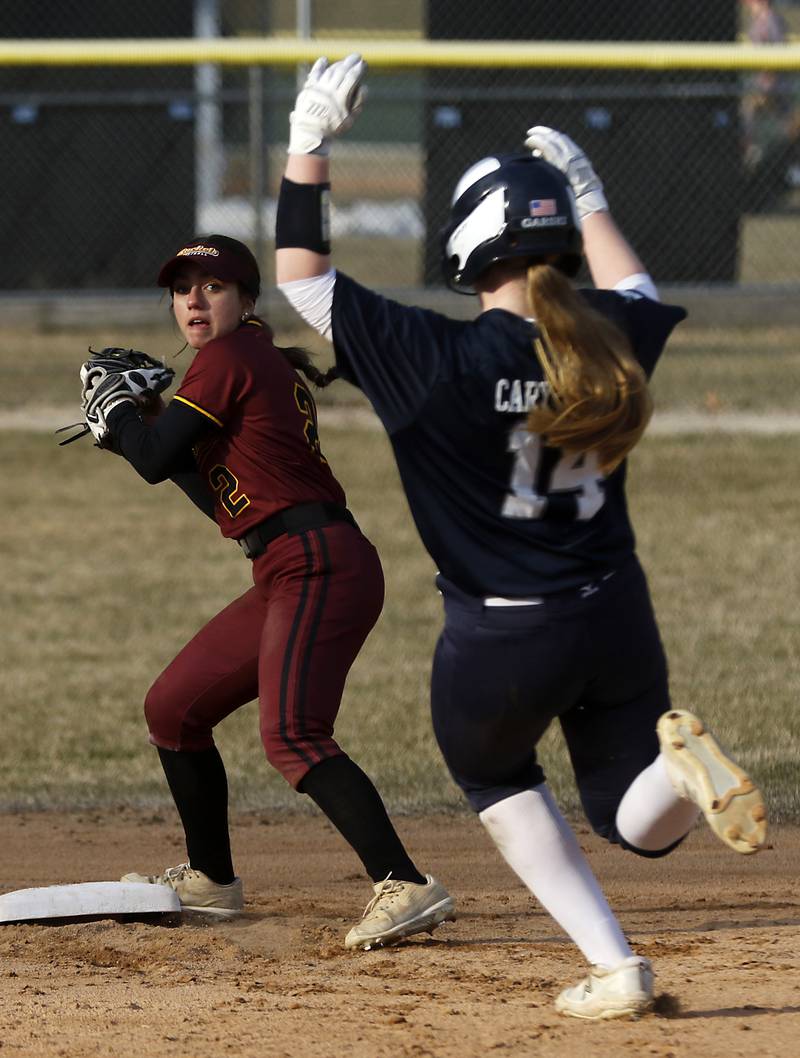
[289, 641]
[591, 658]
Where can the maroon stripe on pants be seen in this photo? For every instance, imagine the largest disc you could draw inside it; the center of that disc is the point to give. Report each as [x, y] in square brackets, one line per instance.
[298, 654]
[329, 595]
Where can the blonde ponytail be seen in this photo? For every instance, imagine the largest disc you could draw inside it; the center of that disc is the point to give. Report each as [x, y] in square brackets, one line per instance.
[599, 400]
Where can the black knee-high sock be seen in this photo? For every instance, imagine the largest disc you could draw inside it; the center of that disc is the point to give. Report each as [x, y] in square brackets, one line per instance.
[199, 786]
[348, 798]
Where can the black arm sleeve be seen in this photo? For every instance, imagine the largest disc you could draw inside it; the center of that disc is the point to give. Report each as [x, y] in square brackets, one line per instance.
[162, 449]
[191, 483]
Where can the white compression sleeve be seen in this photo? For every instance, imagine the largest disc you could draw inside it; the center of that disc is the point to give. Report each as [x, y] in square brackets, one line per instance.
[313, 300]
[651, 815]
[639, 283]
[540, 847]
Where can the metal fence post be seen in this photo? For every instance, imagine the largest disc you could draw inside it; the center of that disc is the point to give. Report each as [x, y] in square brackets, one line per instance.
[257, 147]
[305, 26]
[208, 123]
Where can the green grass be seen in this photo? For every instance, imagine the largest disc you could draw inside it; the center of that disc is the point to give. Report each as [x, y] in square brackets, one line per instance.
[768, 248]
[89, 623]
[729, 370]
[741, 369]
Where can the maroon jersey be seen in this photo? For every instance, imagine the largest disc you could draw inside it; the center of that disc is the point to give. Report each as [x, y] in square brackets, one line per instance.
[264, 455]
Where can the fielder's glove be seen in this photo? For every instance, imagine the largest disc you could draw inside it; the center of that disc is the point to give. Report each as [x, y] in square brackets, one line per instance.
[103, 392]
[327, 105]
[112, 377]
[559, 150]
[147, 376]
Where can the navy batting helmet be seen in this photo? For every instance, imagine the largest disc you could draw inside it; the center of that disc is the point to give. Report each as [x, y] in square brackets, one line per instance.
[509, 205]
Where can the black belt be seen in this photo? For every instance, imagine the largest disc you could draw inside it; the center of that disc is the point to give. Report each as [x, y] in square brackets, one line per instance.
[298, 519]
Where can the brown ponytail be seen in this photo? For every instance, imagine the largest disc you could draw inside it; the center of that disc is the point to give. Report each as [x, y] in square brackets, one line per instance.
[300, 359]
[599, 400]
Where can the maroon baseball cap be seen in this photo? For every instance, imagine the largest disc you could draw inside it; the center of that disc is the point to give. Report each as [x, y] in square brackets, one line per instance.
[224, 257]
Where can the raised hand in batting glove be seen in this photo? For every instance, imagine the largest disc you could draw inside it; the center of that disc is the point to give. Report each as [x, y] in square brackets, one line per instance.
[327, 104]
[562, 152]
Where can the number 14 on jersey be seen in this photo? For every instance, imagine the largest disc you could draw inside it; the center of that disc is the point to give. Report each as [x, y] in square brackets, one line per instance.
[549, 483]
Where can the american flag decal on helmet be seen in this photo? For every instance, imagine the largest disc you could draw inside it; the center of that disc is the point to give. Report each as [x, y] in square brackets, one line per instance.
[542, 207]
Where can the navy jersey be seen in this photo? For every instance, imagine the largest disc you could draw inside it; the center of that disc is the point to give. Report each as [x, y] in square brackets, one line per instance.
[499, 512]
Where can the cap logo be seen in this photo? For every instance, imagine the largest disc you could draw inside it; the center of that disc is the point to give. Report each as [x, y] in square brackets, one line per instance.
[198, 251]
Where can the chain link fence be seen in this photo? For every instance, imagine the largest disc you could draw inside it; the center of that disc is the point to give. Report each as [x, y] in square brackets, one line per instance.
[107, 169]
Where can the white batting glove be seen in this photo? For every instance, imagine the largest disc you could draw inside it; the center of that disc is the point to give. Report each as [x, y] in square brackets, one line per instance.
[559, 150]
[327, 105]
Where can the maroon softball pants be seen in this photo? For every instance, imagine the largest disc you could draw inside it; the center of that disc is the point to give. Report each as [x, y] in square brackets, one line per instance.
[289, 641]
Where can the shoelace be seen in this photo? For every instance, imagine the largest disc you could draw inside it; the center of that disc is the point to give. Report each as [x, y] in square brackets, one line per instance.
[177, 874]
[388, 891]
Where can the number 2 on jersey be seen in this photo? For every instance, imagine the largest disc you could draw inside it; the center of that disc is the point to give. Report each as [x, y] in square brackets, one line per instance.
[225, 482]
[308, 409]
[549, 483]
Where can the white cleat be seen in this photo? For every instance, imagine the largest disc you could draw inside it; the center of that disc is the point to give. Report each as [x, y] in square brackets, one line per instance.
[701, 772]
[196, 891]
[400, 909]
[623, 991]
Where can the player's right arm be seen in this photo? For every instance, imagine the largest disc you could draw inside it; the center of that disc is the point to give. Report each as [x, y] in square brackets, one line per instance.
[391, 351]
[326, 106]
[303, 272]
[304, 171]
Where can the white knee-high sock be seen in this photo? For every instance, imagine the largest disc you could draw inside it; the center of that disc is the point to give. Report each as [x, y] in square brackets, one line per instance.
[651, 815]
[538, 844]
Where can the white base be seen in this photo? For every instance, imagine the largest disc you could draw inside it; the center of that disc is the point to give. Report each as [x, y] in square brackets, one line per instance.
[87, 898]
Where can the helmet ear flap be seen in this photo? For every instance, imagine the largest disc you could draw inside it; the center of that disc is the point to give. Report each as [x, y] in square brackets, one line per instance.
[507, 207]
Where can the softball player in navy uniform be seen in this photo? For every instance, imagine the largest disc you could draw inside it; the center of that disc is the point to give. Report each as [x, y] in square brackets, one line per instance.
[510, 434]
[240, 437]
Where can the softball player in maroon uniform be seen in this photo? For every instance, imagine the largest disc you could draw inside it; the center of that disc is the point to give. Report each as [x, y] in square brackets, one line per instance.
[240, 437]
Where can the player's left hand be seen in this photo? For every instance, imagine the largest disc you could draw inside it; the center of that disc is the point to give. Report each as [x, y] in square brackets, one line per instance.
[116, 376]
[146, 376]
[327, 105]
[562, 152]
[144, 383]
[103, 391]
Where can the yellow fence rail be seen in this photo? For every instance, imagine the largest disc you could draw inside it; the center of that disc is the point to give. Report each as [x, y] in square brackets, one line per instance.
[393, 54]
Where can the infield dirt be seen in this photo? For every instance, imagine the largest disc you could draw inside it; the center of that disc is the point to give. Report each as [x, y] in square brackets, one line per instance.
[723, 932]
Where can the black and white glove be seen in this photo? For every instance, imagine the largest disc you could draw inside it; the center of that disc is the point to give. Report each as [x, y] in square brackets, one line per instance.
[562, 152]
[146, 376]
[144, 383]
[327, 105]
[103, 391]
[137, 377]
